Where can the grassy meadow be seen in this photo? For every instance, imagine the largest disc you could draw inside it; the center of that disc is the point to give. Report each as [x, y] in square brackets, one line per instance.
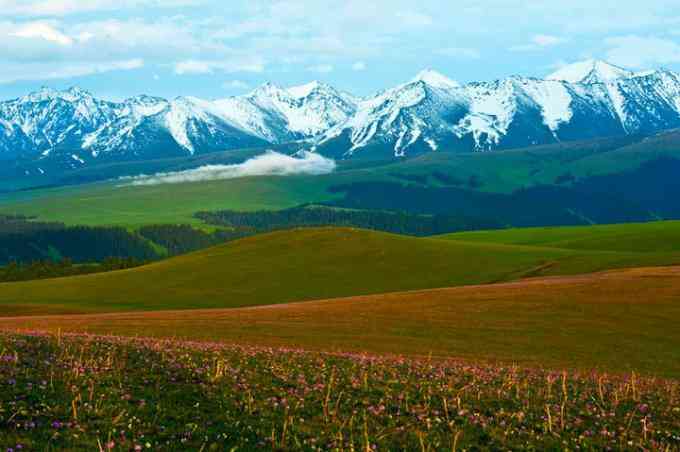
[307, 264]
[347, 339]
[113, 203]
[652, 237]
[99, 393]
[614, 321]
[412, 295]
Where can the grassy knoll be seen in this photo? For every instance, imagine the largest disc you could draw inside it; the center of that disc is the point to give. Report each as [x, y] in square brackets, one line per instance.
[615, 321]
[306, 264]
[114, 394]
[280, 267]
[662, 236]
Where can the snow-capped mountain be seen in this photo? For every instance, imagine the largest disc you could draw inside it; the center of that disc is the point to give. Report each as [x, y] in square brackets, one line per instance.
[50, 131]
[582, 101]
[399, 117]
[590, 71]
[46, 120]
[278, 115]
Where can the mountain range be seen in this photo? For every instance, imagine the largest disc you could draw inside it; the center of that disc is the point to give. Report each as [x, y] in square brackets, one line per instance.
[52, 131]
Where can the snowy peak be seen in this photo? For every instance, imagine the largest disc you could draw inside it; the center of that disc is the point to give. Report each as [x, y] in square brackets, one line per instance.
[143, 105]
[281, 115]
[319, 90]
[307, 89]
[436, 79]
[590, 71]
[266, 89]
[586, 100]
[60, 130]
[73, 94]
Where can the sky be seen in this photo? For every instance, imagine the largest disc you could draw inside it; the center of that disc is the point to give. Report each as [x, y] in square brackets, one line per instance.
[219, 48]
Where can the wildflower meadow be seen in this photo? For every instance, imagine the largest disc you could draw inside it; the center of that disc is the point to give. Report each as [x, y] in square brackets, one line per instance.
[65, 392]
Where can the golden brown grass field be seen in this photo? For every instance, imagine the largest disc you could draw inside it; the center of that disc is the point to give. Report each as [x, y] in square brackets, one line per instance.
[616, 321]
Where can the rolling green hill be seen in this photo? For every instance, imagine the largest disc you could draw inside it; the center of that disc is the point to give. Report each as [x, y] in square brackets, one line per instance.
[661, 236]
[306, 264]
[615, 321]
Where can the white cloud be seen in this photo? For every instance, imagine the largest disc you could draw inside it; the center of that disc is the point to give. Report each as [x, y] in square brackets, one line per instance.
[45, 49]
[359, 66]
[539, 42]
[44, 31]
[54, 8]
[321, 68]
[642, 52]
[193, 67]
[84, 36]
[332, 31]
[66, 36]
[268, 164]
[45, 71]
[209, 67]
[98, 41]
[414, 18]
[547, 40]
[460, 52]
[164, 38]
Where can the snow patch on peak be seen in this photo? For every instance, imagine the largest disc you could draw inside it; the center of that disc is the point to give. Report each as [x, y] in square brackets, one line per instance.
[304, 90]
[73, 94]
[646, 73]
[279, 115]
[436, 79]
[433, 144]
[181, 111]
[554, 100]
[266, 89]
[590, 71]
[492, 109]
[78, 92]
[142, 106]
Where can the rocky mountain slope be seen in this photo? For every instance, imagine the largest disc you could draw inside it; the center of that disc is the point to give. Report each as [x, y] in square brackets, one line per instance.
[587, 100]
[54, 131]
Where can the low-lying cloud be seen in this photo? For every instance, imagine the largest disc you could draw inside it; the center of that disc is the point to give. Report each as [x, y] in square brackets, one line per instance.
[268, 164]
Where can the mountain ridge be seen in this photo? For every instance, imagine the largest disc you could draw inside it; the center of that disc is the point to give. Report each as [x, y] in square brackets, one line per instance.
[51, 131]
[514, 112]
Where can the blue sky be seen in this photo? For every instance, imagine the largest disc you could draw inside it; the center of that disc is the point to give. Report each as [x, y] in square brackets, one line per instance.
[218, 48]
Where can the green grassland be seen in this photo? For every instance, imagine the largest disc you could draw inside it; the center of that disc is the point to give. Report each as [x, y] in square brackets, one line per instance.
[613, 323]
[653, 237]
[307, 264]
[109, 203]
[114, 204]
[509, 170]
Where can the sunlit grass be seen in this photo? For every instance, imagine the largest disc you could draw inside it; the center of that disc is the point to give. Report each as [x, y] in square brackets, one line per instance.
[305, 264]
